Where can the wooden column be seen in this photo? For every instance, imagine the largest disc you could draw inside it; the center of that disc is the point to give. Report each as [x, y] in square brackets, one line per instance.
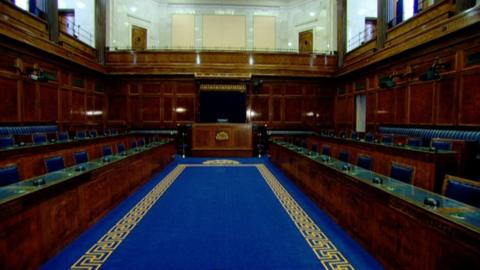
[341, 30]
[51, 10]
[100, 29]
[381, 27]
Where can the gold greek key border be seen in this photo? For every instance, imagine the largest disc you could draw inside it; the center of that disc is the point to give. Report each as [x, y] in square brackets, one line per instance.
[327, 253]
[324, 249]
[98, 254]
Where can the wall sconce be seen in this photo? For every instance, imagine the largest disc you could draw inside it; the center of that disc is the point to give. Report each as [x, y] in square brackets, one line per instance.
[33, 73]
[389, 82]
[433, 73]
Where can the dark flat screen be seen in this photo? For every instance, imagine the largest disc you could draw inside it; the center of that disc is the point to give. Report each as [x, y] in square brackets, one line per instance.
[222, 106]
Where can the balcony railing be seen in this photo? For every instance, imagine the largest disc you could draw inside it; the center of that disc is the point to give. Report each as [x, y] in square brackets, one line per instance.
[69, 27]
[361, 38]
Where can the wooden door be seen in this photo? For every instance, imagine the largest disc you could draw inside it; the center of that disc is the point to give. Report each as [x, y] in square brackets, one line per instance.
[370, 28]
[305, 41]
[139, 38]
[66, 18]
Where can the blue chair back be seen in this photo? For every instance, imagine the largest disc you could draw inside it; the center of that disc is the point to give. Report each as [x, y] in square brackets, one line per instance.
[6, 141]
[442, 145]
[464, 190]
[62, 136]
[133, 145]
[414, 142]
[93, 133]
[81, 134]
[343, 155]
[39, 138]
[54, 164]
[141, 142]
[9, 175]
[120, 148]
[326, 150]
[402, 173]
[107, 150]
[387, 139]
[354, 135]
[314, 147]
[364, 162]
[369, 137]
[80, 157]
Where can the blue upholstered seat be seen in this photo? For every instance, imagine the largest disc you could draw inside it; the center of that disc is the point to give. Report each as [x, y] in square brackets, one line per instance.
[343, 155]
[414, 142]
[402, 173]
[326, 150]
[354, 135]
[314, 147]
[80, 157]
[387, 139]
[364, 162]
[120, 148]
[441, 145]
[93, 133]
[62, 136]
[133, 145]
[81, 134]
[54, 163]
[302, 144]
[464, 190]
[9, 175]
[141, 142]
[107, 150]
[39, 138]
[6, 141]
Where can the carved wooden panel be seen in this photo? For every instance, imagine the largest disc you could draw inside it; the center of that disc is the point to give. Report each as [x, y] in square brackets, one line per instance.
[470, 99]
[77, 109]
[446, 102]
[8, 100]
[421, 103]
[401, 103]
[259, 108]
[277, 109]
[293, 109]
[168, 108]
[29, 103]
[385, 106]
[185, 108]
[371, 107]
[151, 108]
[117, 107]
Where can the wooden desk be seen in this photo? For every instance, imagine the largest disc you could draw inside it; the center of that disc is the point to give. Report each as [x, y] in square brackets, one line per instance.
[227, 140]
[399, 233]
[430, 167]
[37, 225]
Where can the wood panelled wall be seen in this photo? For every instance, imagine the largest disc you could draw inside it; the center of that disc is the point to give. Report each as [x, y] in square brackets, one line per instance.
[451, 101]
[280, 103]
[64, 99]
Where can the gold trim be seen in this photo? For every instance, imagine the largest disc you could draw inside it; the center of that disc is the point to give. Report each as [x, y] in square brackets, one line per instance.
[223, 87]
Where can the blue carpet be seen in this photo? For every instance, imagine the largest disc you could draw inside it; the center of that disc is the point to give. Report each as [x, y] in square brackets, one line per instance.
[215, 218]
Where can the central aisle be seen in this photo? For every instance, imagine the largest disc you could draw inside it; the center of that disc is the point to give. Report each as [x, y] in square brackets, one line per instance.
[199, 216]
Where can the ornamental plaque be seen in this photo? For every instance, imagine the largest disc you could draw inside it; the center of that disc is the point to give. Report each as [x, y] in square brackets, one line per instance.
[221, 136]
